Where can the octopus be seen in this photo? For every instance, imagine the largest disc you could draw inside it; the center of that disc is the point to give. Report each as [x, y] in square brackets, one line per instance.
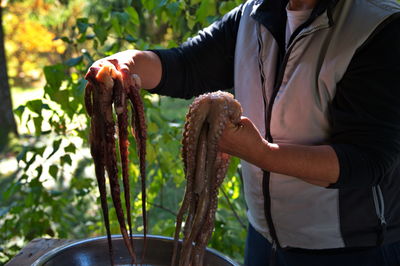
[205, 168]
[109, 86]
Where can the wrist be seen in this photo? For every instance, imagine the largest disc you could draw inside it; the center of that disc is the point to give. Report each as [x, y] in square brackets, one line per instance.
[262, 153]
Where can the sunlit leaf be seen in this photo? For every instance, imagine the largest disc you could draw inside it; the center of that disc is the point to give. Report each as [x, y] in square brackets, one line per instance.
[37, 121]
[35, 106]
[56, 147]
[19, 111]
[54, 75]
[53, 171]
[66, 159]
[70, 148]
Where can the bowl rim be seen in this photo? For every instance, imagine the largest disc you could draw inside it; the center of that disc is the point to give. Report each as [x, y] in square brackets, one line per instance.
[52, 253]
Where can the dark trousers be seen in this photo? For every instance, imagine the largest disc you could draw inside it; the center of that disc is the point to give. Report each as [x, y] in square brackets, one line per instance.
[258, 253]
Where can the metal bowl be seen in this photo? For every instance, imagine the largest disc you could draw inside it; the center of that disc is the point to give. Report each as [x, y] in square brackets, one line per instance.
[94, 252]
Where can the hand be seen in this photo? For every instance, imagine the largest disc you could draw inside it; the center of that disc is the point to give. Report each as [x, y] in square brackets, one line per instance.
[244, 141]
[145, 64]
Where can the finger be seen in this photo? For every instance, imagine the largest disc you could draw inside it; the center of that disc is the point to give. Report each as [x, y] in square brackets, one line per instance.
[88, 98]
[92, 73]
[114, 62]
[127, 79]
[130, 80]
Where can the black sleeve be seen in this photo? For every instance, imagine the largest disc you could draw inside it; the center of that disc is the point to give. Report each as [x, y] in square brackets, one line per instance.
[203, 63]
[365, 112]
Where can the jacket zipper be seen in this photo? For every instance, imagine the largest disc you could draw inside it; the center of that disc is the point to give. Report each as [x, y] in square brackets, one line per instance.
[267, 202]
[379, 204]
[267, 120]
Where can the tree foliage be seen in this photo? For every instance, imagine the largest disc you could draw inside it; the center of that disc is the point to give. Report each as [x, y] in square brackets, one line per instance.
[54, 193]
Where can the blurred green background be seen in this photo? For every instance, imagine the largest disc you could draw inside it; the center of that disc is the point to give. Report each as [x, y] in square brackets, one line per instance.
[47, 183]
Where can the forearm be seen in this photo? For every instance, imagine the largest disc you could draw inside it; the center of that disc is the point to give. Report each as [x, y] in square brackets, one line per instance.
[317, 165]
[314, 164]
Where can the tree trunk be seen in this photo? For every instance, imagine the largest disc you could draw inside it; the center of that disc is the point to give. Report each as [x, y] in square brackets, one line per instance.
[7, 120]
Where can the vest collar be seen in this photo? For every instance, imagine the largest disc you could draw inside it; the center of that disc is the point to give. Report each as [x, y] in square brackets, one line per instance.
[272, 15]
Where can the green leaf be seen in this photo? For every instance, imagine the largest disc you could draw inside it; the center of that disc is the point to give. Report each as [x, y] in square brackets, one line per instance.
[4, 211]
[133, 15]
[11, 190]
[55, 193]
[35, 106]
[149, 4]
[30, 162]
[130, 38]
[122, 17]
[79, 90]
[88, 56]
[56, 146]
[74, 61]
[207, 8]
[61, 97]
[152, 128]
[39, 171]
[66, 159]
[101, 33]
[70, 148]
[54, 75]
[162, 3]
[173, 8]
[40, 150]
[82, 24]
[66, 39]
[53, 171]
[118, 22]
[116, 26]
[37, 121]
[19, 111]
[225, 7]
[151, 154]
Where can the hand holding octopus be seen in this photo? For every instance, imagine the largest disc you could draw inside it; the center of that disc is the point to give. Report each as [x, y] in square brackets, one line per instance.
[205, 169]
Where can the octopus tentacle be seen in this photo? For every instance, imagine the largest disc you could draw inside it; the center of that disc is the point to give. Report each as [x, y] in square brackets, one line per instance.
[198, 111]
[205, 169]
[122, 116]
[111, 160]
[140, 136]
[199, 183]
[221, 167]
[89, 98]
[201, 191]
[97, 142]
[216, 121]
